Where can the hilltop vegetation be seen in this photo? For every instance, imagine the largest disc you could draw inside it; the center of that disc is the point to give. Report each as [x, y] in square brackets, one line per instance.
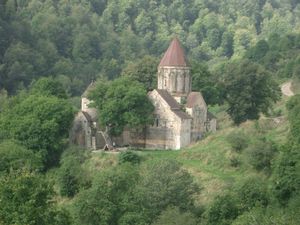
[239, 52]
[79, 41]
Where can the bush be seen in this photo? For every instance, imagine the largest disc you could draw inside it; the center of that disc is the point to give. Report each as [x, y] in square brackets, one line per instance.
[252, 192]
[111, 198]
[130, 157]
[286, 175]
[71, 176]
[173, 215]
[223, 210]
[234, 161]
[14, 156]
[238, 140]
[261, 154]
[27, 198]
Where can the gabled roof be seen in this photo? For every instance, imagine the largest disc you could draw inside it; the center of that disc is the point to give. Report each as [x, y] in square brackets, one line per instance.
[87, 116]
[194, 98]
[174, 56]
[173, 104]
[168, 98]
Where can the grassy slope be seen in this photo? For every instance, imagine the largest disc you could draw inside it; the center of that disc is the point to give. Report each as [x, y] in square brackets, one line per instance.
[209, 160]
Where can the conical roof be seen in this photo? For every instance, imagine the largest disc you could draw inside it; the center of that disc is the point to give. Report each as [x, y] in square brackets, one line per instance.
[174, 56]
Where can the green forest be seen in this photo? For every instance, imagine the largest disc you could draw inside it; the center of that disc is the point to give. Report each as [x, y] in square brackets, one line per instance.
[240, 52]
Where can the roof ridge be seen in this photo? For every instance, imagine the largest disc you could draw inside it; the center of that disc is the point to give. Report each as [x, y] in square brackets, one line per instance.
[173, 104]
[174, 56]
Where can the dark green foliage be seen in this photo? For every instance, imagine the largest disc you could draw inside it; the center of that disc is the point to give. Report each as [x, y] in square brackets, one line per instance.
[39, 123]
[130, 157]
[250, 90]
[258, 52]
[173, 216]
[144, 71]
[204, 81]
[223, 210]
[286, 178]
[13, 157]
[71, 176]
[252, 192]
[109, 199]
[25, 199]
[234, 161]
[122, 102]
[175, 185]
[3, 99]
[91, 39]
[261, 154]
[48, 87]
[238, 140]
[293, 107]
[128, 194]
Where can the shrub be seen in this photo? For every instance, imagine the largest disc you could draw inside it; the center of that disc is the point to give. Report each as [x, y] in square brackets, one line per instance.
[260, 155]
[286, 176]
[130, 157]
[71, 176]
[234, 161]
[237, 140]
[14, 156]
[252, 192]
[173, 215]
[223, 210]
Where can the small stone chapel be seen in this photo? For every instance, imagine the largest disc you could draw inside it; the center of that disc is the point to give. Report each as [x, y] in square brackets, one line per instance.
[181, 115]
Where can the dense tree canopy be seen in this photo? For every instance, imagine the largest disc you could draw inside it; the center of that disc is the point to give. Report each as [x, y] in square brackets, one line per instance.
[125, 195]
[84, 40]
[14, 156]
[122, 102]
[25, 199]
[144, 71]
[250, 90]
[40, 123]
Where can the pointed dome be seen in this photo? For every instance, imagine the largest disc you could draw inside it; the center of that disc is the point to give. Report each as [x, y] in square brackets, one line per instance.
[174, 56]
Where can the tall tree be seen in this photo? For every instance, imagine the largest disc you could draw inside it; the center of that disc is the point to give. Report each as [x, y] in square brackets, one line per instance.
[40, 123]
[26, 199]
[250, 90]
[122, 102]
[144, 71]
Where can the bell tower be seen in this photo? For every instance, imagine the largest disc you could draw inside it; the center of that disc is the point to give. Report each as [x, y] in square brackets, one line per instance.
[174, 72]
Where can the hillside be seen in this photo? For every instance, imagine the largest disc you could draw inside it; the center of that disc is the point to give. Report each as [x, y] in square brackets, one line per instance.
[238, 52]
[210, 160]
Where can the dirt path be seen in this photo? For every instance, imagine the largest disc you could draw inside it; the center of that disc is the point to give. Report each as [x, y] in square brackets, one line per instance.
[286, 89]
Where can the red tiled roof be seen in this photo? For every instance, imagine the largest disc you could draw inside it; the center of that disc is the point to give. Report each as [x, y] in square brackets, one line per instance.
[174, 56]
[193, 99]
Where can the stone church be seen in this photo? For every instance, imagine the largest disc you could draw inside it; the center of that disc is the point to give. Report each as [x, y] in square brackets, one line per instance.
[181, 116]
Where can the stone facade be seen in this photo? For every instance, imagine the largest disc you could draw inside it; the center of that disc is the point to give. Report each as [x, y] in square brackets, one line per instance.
[181, 116]
[171, 127]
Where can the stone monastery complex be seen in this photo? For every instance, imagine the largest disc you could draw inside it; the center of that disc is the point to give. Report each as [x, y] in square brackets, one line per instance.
[181, 116]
